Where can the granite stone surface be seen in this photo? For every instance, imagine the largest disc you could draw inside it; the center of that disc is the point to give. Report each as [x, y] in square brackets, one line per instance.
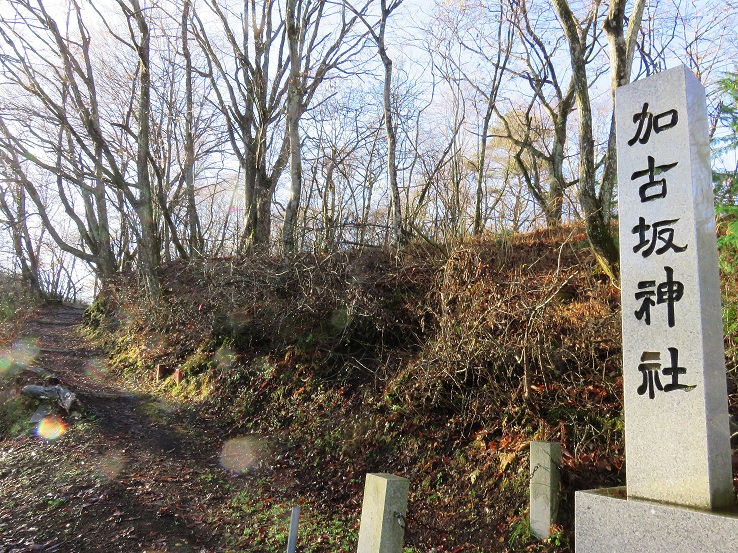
[607, 522]
[677, 443]
[545, 460]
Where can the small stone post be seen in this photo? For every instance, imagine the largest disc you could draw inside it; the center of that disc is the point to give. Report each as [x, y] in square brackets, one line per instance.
[383, 511]
[545, 460]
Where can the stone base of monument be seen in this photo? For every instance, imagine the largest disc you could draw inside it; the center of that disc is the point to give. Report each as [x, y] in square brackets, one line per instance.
[606, 521]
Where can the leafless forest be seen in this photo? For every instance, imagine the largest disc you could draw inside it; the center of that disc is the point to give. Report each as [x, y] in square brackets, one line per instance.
[136, 132]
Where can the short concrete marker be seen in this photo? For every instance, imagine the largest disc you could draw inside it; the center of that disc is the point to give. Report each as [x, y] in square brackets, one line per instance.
[545, 460]
[383, 512]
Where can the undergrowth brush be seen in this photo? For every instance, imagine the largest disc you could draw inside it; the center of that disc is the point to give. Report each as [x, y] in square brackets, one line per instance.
[16, 304]
[441, 369]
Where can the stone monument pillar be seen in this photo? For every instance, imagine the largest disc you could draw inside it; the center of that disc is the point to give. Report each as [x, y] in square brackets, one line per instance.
[677, 439]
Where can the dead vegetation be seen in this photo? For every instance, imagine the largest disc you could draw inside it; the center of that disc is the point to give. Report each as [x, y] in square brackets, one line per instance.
[437, 368]
[16, 305]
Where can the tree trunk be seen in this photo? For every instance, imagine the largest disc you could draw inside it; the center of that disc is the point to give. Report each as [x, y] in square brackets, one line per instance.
[101, 232]
[595, 213]
[294, 100]
[478, 218]
[622, 49]
[22, 244]
[389, 127]
[263, 226]
[148, 248]
[329, 206]
[195, 239]
[398, 233]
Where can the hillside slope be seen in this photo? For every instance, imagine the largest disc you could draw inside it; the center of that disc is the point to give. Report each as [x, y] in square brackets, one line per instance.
[439, 368]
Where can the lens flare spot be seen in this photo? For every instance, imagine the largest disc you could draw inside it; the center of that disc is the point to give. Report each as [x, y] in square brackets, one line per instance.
[51, 428]
[25, 351]
[240, 454]
[6, 361]
[224, 357]
[95, 368]
[111, 464]
[22, 354]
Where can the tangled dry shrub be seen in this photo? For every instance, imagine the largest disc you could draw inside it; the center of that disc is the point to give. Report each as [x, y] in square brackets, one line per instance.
[323, 309]
[16, 304]
[518, 315]
[502, 316]
[340, 304]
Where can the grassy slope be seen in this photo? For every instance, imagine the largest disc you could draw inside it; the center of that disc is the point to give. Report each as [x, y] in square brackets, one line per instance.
[16, 306]
[439, 369]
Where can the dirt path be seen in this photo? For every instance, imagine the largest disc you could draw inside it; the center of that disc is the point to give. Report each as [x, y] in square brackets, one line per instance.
[130, 474]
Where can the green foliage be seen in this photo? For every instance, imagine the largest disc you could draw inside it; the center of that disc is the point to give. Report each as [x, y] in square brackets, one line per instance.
[16, 301]
[728, 233]
[203, 360]
[728, 256]
[56, 502]
[15, 412]
[725, 144]
[99, 315]
[520, 532]
[728, 114]
[558, 538]
[725, 181]
[6, 309]
[263, 520]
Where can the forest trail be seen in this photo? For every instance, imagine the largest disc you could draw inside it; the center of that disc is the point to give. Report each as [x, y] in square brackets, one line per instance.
[131, 473]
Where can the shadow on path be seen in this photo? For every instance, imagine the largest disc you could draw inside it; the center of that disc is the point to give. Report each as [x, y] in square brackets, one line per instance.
[131, 473]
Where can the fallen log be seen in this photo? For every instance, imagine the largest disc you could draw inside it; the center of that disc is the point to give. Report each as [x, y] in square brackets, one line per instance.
[67, 400]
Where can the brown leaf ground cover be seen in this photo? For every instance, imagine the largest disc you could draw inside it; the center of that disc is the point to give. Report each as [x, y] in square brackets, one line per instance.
[257, 384]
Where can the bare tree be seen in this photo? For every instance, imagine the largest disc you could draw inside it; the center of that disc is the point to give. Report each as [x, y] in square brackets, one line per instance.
[56, 73]
[15, 217]
[249, 92]
[378, 32]
[473, 44]
[582, 36]
[55, 106]
[262, 81]
[538, 131]
[343, 162]
[123, 162]
[303, 20]
[196, 242]
[149, 246]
